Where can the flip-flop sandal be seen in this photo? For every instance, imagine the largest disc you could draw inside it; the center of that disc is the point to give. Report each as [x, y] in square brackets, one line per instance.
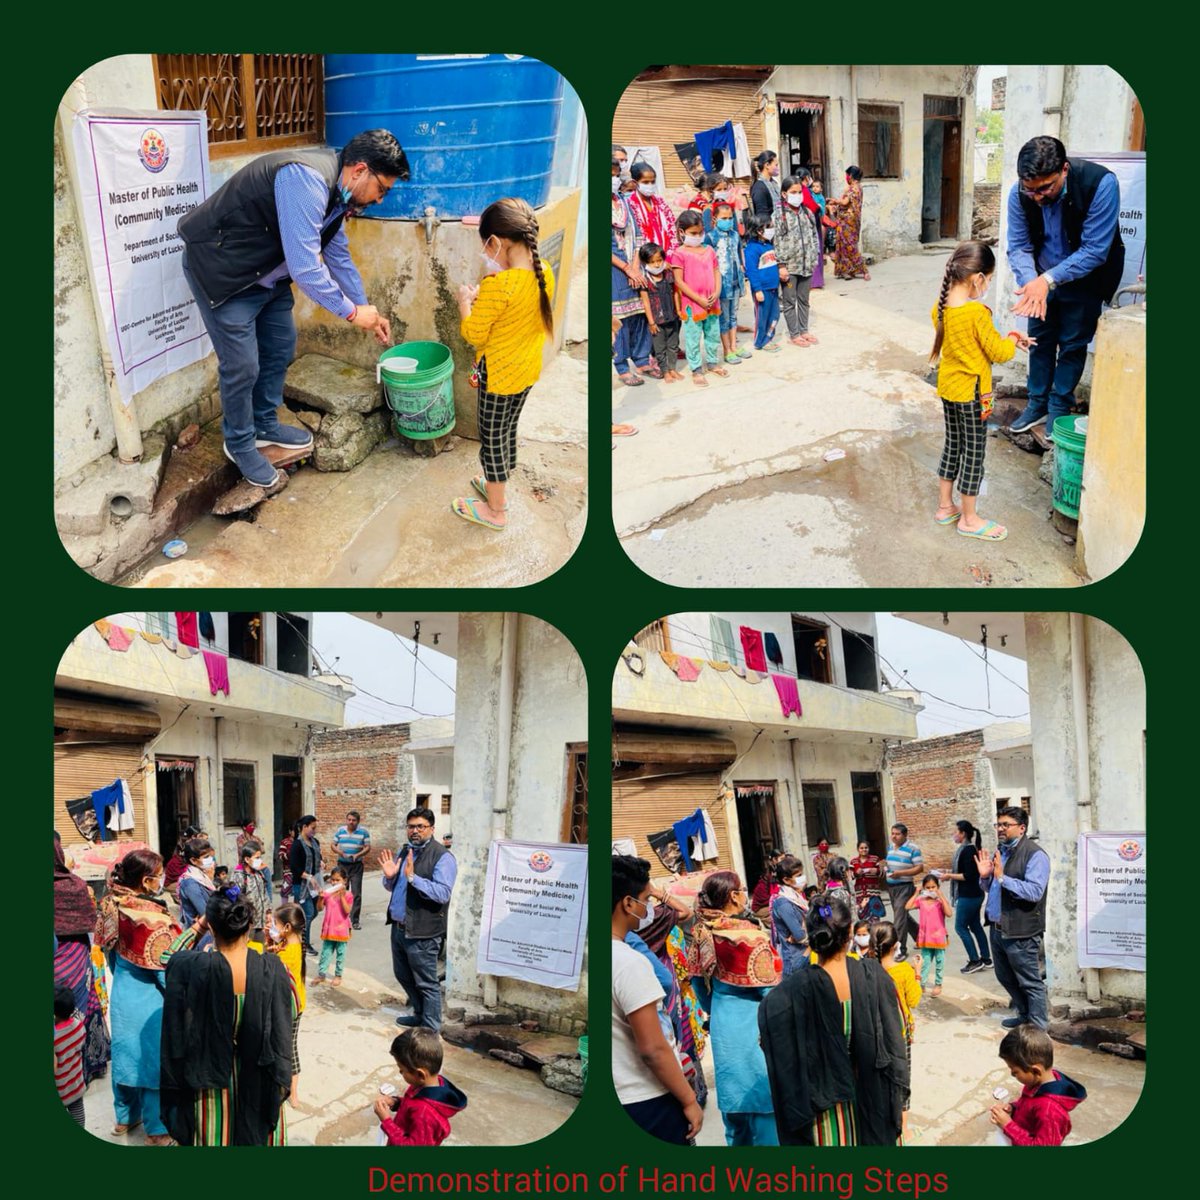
[630, 379]
[624, 431]
[719, 371]
[986, 532]
[122, 1130]
[950, 520]
[465, 508]
[699, 380]
[480, 485]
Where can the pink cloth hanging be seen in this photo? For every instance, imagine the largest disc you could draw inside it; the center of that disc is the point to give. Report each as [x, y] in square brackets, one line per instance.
[217, 666]
[119, 638]
[789, 696]
[752, 648]
[687, 670]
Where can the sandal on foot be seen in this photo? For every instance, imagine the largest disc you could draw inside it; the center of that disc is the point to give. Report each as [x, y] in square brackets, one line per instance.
[810, 338]
[989, 531]
[624, 430]
[698, 379]
[799, 340]
[480, 485]
[122, 1130]
[950, 520]
[464, 507]
[719, 371]
[631, 380]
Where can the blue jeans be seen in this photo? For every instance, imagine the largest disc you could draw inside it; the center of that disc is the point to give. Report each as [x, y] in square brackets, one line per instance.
[1056, 363]
[969, 927]
[729, 307]
[415, 965]
[301, 897]
[254, 337]
[632, 341]
[766, 313]
[1018, 968]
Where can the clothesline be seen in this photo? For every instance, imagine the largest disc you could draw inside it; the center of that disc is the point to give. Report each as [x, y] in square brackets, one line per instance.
[119, 638]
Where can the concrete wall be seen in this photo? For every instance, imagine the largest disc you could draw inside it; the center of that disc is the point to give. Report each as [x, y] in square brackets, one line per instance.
[891, 207]
[549, 713]
[433, 776]
[363, 768]
[1116, 724]
[1113, 507]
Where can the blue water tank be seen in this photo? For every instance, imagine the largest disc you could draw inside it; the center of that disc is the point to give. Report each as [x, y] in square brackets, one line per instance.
[475, 127]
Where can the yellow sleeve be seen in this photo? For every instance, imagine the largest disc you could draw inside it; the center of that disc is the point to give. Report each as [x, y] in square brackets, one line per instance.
[489, 306]
[933, 315]
[912, 988]
[995, 348]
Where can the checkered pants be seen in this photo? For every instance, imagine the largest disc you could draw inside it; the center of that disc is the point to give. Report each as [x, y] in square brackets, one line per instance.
[296, 1044]
[497, 429]
[966, 443]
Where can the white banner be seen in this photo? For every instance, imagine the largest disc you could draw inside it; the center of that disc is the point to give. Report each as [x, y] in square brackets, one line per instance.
[1130, 169]
[534, 923]
[1111, 901]
[138, 174]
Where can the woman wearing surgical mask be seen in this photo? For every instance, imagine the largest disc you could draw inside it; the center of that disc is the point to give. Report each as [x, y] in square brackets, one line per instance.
[653, 220]
[135, 929]
[733, 966]
[196, 883]
[788, 910]
[254, 877]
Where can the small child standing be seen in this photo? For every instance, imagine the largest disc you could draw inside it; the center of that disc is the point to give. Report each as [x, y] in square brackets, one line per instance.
[724, 238]
[968, 344]
[862, 940]
[335, 927]
[285, 937]
[698, 284]
[796, 247]
[762, 272]
[932, 910]
[658, 303]
[68, 1052]
[507, 318]
[421, 1117]
[1041, 1115]
[885, 946]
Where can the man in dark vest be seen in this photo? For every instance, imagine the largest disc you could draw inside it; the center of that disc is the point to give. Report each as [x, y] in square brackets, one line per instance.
[1014, 882]
[277, 221]
[420, 879]
[1066, 255]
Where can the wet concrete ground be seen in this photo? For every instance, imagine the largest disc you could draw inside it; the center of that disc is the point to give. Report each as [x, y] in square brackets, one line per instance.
[344, 1038]
[956, 1068]
[730, 482]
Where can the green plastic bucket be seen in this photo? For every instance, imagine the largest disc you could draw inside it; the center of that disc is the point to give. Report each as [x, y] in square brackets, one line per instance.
[1069, 443]
[421, 396]
[583, 1055]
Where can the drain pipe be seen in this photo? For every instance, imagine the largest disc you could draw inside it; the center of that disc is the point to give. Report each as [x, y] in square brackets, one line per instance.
[504, 723]
[124, 416]
[219, 780]
[1085, 816]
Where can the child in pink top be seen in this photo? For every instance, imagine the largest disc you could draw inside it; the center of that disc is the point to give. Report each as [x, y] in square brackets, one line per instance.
[932, 910]
[335, 929]
[698, 296]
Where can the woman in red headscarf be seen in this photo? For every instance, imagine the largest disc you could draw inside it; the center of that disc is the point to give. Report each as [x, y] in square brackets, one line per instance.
[820, 862]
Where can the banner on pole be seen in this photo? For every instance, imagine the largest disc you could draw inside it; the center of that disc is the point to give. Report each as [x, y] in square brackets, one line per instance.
[534, 922]
[1111, 903]
[139, 173]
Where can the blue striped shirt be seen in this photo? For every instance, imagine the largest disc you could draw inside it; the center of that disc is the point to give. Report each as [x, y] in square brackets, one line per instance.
[900, 857]
[349, 844]
[327, 277]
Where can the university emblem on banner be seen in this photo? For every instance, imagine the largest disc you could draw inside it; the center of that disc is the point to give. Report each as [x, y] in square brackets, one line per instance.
[153, 151]
[1130, 850]
[539, 860]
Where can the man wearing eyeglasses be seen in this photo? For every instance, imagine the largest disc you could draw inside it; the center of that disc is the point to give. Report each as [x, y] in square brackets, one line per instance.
[420, 879]
[1014, 881]
[1066, 255]
[277, 221]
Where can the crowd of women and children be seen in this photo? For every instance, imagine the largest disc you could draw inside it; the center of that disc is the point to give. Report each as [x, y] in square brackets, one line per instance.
[199, 1028]
[805, 997]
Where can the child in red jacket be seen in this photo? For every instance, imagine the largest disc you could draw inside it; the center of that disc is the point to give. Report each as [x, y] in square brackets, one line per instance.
[421, 1117]
[1041, 1115]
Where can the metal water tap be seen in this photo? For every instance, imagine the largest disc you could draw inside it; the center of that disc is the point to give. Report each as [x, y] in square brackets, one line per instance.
[431, 221]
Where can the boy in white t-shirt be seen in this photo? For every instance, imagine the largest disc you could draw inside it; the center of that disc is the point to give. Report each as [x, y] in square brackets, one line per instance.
[650, 1082]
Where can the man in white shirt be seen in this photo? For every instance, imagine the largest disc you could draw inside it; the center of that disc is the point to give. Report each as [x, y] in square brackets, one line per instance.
[649, 1080]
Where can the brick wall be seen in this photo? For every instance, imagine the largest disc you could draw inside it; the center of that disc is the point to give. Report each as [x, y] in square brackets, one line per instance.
[985, 221]
[936, 782]
[366, 769]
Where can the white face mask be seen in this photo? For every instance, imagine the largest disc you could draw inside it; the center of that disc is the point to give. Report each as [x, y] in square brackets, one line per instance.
[862, 939]
[795, 199]
[721, 195]
[798, 883]
[616, 180]
[651, 910]
[208, 862]
[983, 291]
[647, 189]
[769, 234]
[256, 863]
[490, 265]
[693, 239]
[656, 270]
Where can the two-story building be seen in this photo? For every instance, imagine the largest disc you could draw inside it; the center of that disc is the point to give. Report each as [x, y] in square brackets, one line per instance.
[722, 742]
[131, 704]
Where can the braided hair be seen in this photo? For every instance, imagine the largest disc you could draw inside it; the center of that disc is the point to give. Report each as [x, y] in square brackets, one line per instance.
[969, 258]
[515, 220]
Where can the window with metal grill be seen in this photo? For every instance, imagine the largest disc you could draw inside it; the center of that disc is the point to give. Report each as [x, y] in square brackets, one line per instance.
[879, 140]
[254, 102]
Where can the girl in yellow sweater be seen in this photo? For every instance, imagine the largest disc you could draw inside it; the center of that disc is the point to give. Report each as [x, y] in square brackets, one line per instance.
[507, 319]
[968, 344]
